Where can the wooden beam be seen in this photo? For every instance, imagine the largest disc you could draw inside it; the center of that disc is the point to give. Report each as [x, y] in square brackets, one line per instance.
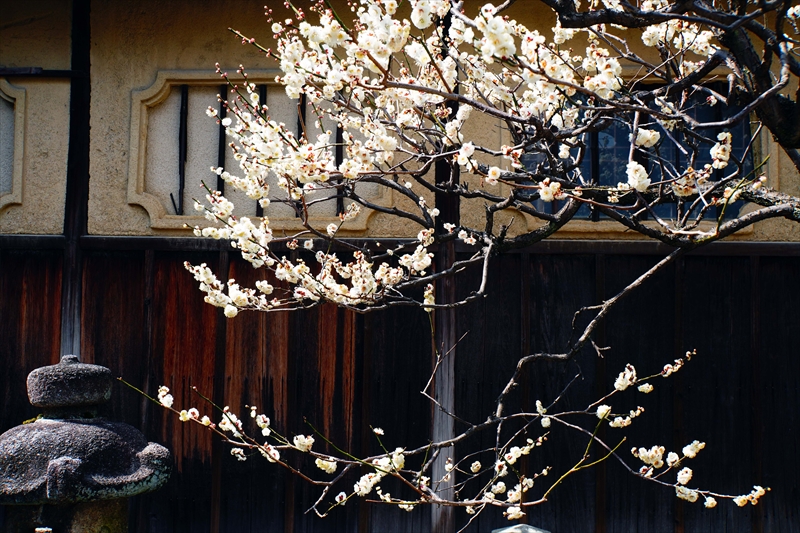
[77, 197]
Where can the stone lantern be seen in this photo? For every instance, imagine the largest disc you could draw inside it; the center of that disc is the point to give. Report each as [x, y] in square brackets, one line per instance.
[70, 470]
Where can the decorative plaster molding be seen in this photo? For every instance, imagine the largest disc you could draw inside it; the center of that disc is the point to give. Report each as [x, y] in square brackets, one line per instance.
[145, 100]
[16, 96]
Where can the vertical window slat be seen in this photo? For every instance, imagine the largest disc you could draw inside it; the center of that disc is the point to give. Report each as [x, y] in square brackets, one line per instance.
[221, 146]
[182, 150]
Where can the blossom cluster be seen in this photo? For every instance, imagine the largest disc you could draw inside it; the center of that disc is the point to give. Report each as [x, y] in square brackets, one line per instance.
[497, 490]
[757, 492]
[385, 83]
[653, 459]
[399, 91]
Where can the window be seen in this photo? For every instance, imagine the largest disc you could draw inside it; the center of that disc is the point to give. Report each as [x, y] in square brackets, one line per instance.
[174, 145]
[607, 152]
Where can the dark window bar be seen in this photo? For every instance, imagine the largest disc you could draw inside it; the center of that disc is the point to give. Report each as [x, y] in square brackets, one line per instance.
[301, 125]
[182, 150]
[339, 159]
[595, 168]
[262, 101]
[223, 111]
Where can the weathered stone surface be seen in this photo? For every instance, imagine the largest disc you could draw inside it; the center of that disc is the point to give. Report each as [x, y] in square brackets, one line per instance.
[69, 384]
[52, 461]
[520, 528]
[69, 455]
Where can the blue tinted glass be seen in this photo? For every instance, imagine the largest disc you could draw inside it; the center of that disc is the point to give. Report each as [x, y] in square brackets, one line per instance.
[610, 158]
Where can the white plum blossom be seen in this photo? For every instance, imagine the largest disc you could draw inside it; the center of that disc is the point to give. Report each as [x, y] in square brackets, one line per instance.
[637, 176]
[620, 422]
[672, 459]
[466, 237]
[514, 453]
[550, 191]
[647, 138]
[263, 423]
[421, 13]
[690, 450]
[493, 175]
[428, 297]
[270, 453]
[721, 152]
[303, 443]
[465, 153]
[626, 378]
[498, 488]
[653, 456]
[382, 83]
[230, 423]
[757, 492]
[398, 459]
[514, 513]
[686, 494]
[685, 475]
[367, 483]
[329, 467]
[164, 397]
[398, 87]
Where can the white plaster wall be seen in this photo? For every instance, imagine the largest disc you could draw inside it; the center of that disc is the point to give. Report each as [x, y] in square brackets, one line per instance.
[36, 33]
[132, 42]
[44, 166]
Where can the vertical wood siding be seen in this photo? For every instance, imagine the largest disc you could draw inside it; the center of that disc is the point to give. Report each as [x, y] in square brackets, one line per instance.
[341, 372]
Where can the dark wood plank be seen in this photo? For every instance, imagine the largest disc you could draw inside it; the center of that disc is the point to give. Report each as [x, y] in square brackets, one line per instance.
[143, 317]
[183, 342]
[640, 332]
[254, 373]
[397, 364]
[714, 388]
[778, 420]
[558, 287]
[484, 360]
[30, 297]
[112, 328]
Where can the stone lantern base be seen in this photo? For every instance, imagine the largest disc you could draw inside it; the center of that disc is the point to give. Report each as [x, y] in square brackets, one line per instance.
[104, 516]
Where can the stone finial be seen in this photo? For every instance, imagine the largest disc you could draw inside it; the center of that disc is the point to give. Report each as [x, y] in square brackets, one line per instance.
[70, 383]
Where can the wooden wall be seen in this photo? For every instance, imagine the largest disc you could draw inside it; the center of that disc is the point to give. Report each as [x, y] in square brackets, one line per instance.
[143, 317]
